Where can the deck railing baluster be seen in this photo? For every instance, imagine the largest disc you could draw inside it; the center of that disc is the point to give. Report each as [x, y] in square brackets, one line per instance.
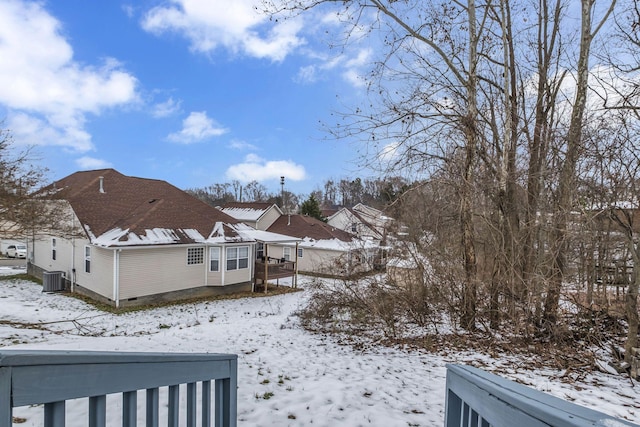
[153, 417]
[206, 403]
[174, 406]
[54, 414]
[191, 404]
[98, 411]
[130, 409]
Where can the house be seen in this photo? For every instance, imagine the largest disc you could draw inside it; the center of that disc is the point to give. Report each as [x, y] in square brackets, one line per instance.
[135, 240]
[355, 223]
[258, 215]
[324, 249]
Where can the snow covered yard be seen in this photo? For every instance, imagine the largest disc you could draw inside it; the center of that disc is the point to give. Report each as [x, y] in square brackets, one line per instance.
[286, 376]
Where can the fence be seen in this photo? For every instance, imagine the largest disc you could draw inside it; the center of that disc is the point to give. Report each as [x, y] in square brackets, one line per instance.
[53, 377]
[479, 399]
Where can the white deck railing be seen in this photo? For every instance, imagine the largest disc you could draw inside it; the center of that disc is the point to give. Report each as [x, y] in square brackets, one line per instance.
[53, 377]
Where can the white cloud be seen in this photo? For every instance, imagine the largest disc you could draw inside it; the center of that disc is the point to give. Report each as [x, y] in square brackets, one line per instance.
[234, 25]
[259, 169]
[165, 109]
[90, 163]
[306, 74]
[238, 144]
[43, 87]
[197, 127]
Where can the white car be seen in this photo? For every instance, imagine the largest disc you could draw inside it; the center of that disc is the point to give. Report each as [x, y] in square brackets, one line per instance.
[17, 251]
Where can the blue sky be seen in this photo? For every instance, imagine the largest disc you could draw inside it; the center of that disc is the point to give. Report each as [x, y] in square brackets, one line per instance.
[193, 92]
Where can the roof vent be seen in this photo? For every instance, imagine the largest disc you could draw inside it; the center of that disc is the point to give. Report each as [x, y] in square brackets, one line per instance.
[101, 184]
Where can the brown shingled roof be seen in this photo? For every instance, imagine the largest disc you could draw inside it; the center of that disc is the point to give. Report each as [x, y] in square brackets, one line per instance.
[302, 226]
[136, 204]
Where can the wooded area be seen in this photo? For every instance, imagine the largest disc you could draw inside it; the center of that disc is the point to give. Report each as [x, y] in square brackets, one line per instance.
[520, 121]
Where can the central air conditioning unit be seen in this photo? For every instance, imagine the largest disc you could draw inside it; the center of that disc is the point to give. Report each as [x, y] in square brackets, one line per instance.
[52, 281]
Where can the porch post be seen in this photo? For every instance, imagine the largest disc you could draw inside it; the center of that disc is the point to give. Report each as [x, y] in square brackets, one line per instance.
[266, 265]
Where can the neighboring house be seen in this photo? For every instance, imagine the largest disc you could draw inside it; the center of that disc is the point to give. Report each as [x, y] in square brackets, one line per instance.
[137, 240]
[324, 249]
[374, 218]
[354, 223]
[256, 214]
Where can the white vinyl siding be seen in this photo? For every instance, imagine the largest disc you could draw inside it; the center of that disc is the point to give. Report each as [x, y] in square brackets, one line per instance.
[150, 271]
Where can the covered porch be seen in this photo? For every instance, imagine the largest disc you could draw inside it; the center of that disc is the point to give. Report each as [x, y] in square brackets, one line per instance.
[274, 259]
[275, 265]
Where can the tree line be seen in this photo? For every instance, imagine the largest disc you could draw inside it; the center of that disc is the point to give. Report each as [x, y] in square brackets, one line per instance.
[375, 192]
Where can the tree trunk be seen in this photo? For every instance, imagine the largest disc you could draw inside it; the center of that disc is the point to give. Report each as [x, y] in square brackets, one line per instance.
[631, 305]
[468, 316]
[566, 184]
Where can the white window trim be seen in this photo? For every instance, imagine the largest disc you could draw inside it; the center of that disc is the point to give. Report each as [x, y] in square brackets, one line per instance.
[237, 258]
[87, 258]
[300, 252]
[211, 249]
[54, 252]
[199, 261]
[286, 253]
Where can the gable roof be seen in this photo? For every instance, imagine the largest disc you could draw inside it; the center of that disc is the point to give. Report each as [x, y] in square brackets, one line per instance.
[119, 210]
[248, 211]
[308, 228]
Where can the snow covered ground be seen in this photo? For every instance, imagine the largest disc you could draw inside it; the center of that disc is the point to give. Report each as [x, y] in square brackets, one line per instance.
[309, 379]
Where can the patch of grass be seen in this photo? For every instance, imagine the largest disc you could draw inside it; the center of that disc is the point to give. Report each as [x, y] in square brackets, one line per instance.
[22, 276]
[265, 381]
[183, 302]
[281, 290]
[266, 395]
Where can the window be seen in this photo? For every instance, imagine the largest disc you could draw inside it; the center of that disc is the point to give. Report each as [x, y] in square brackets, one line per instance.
[299, 252]
[87, 259]
[237, 258]
[286, 253]
[259, 250]
[195, 256]
[214, 258]
[53, 248]
[354, 227]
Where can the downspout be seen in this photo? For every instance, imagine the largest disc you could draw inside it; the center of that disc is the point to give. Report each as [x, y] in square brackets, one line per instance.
[295, 277]
[116, 277]
[206, 267]
[73, 253]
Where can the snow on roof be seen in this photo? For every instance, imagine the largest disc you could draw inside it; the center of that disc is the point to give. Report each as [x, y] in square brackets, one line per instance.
[336, 244]
[164, 236]
[244, 230]
[244, 214]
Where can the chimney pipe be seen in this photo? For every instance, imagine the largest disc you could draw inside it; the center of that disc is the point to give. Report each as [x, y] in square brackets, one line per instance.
[101, 184]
